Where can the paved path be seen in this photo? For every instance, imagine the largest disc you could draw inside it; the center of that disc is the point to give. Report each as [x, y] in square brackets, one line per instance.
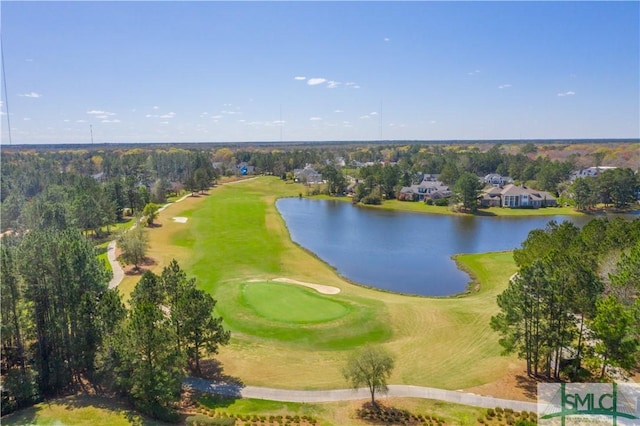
[351, 394]
[118, 273]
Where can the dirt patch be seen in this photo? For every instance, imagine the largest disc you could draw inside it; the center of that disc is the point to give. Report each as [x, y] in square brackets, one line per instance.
[146, 264]
[180, 219]
[513, 385]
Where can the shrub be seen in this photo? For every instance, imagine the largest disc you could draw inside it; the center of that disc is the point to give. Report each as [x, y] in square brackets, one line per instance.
[200, 420]
[372, 199]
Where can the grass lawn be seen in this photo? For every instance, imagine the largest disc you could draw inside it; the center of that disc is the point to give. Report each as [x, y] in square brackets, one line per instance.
[101, 249]
[420, 207]
[283, 303]
[78, 410]
[235, 235]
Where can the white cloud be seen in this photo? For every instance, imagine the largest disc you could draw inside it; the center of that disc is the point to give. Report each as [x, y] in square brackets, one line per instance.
[373, 113]
[315, 119]
[100, 114]
[216, 117]
[299, 77]
[115, 120]
[81, 121]
[30, 95]
[168, 115]
[164, 122]
[27, 118]
[66, 120]
[504, 86]
[474, 72]
[316, 81]
[279, 122]
[338, 110]
[28, 60]
[156, 107]
[365, 117]
[332, 84]
[569, 93]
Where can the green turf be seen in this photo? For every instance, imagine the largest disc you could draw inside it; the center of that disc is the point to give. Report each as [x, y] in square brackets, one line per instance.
[79, 410]
[348, 323]
[291, 304]
[236, 235]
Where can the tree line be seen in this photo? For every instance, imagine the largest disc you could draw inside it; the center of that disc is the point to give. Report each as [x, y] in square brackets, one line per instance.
[573, 309]
[131, 178]
[63, 329]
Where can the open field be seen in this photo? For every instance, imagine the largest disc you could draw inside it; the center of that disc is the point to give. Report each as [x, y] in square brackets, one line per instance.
[235, 235]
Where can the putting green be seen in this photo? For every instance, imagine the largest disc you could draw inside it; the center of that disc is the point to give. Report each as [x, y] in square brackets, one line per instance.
[301, 317]
[291, 304]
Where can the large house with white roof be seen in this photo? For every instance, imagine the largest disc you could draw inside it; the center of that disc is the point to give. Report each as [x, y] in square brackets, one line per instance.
[514, 196]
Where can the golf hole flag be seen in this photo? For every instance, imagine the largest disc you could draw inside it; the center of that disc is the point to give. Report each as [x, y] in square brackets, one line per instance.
[572, 404]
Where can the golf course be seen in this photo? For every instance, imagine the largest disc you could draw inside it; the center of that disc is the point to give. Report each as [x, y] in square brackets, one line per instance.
[292, 336]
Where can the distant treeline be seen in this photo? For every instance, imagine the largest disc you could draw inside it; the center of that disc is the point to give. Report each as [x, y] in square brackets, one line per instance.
[93, 187]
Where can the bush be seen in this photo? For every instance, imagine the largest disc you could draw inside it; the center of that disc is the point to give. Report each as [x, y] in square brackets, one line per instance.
[442, 202]
[19, 390]
[200, 420]
[372, 200]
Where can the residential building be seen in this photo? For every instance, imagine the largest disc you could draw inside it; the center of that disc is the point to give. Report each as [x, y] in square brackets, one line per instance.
[427, 189]
[516, 197]
[307, 175]
[590, 172]
[497, 180]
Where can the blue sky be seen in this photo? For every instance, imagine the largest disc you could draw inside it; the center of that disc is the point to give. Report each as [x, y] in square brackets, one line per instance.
[266, 71]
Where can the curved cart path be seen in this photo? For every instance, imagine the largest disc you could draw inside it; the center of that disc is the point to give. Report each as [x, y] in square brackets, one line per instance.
[287, 395]
[118, 272]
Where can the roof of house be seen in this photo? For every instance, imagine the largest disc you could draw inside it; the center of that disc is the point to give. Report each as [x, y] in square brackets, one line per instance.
[515, 191]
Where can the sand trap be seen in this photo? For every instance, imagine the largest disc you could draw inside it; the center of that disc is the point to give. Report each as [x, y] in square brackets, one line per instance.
[320, 288]
[180, 219]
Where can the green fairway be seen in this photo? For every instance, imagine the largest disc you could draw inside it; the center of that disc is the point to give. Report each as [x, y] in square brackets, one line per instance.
[289, 304]
[294, 337]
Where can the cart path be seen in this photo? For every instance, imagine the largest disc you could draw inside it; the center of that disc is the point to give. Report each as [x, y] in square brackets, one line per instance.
[118, 272]
[286, 395]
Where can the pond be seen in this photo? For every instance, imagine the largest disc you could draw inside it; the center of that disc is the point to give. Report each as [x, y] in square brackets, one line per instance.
[399, 251]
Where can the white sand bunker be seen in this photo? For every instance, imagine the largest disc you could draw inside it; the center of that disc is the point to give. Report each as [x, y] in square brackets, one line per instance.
[320, 288]
[180, 219]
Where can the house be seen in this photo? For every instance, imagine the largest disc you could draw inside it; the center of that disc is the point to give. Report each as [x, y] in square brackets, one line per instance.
[427, 189]
[589, 172]
[497, 180]
[243, 169]
[307, 175]
[516, 197]
[492, 197]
